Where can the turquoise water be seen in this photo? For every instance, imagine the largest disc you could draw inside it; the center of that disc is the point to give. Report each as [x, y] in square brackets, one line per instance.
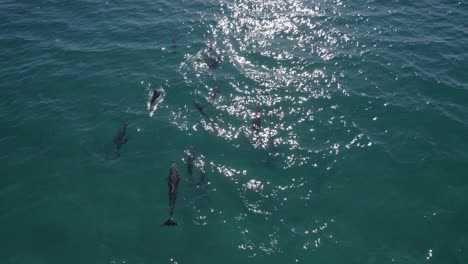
[361, 156]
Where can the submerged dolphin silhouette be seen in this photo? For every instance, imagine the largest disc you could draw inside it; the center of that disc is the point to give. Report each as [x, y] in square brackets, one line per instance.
[257, 119]
[215, 91]
[119, 140]
[200, 107]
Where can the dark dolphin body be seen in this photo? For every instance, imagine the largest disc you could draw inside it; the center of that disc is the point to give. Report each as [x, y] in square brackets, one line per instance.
[155, 95]
[200, 107]
[215, 91]
[172, 184]
[214, 61]
[119, 140]
[257, 119]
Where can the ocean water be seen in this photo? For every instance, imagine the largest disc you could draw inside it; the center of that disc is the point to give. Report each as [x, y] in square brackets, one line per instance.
[361, 155]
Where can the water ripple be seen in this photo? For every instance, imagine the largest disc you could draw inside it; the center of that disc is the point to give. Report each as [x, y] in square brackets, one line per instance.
[291, 87]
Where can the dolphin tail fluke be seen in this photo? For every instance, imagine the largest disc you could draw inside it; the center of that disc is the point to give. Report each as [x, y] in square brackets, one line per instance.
[169, 222]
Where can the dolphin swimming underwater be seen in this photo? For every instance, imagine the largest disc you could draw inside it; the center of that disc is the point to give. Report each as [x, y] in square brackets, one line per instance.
[195, 161]
[172, 184]
[174, 45]
[200, 107]
[119, 140]
[215, 91]
[197, 171]
[257, 119]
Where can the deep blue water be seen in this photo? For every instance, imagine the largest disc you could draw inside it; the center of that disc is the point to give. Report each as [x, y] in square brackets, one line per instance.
[361, 154]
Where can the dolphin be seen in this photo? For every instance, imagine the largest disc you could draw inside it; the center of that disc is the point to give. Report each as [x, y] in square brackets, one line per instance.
[215, 91]
[202, 176]
[155, 95]
[200, 107]
[214, 61]
[172, 184]
[120, 139]
[257, 119]
[174, 43]
[196, 169]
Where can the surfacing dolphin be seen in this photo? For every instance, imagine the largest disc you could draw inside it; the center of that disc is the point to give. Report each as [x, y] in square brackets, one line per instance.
[214, 61]
[154, 95]
[172, 184]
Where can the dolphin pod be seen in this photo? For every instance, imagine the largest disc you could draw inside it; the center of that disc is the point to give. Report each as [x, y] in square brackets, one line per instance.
[193, 160]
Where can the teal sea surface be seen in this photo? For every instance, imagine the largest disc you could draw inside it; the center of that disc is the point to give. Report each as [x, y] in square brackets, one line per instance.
[336, 131]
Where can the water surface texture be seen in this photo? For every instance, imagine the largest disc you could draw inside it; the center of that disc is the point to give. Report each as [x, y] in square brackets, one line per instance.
[358, 152]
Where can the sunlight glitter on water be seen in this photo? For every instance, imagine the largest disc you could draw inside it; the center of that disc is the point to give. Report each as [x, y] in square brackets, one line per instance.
[288, 84]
